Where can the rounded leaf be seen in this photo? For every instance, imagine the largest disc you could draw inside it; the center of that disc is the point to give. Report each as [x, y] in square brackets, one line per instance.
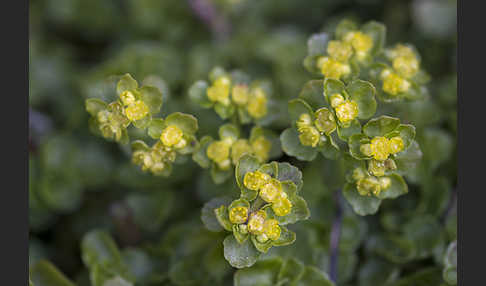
[377, 31]
[291, 146]
[313, 93]
[200, 156]
[288, 172]
[297, 107]
[208, 214]
[363, 93]
[240, 255]
[197, 93]
[95, 105]
[344, 133]
[155, 128]
[362, 205]
[332, 86]
[355, 143]
[397, 188]
[126, 82]
[186, 122]
[286, 237]
[380, 126]
[407, 133]
[152, 97]
[247, 163]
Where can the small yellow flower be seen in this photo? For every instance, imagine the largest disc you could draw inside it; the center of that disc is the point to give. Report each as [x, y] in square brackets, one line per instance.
[385, 183]
[238, 215]
[304, 121]
[257, 103]
[325, 121]
[136, 110]
[361, 43]
[171, 135]
[127, 97]
[393, 83]
[365, 149]
[220, 90]
[270, 192]
[261, 147]
[358, 174]
[272, 229]
[331, 68]
[376, 168]
[255, 180]
[282, 206]
[395, 145]
[347, 111]
[218, 151]
[239, 148]
[379, 148]
[158, 167]
[240, 94]
[256, 222]
[401, 50]
[407, 66]
[336, 100]
[368, 185]
[309, 136]
[339, 50]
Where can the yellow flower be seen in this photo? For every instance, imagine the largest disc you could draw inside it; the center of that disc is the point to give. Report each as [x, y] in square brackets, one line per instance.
[393, 83]
[368, 185]
[336, 100]
[282, 206]
[171, 135]
[256, 222]
[238, 215]
[407, 66]
[339, 50]
[136, 110]
[240, 94]
[272, 229]
[255, 180]
[127, 97]
[366, 150]
[358, 174]
[347, 111]
[376, 168]
[331, 68]
[218, 151]
[257, 103]
[361, 43]
[325, 121]
[385, 183]
[270, 192]
[239, 148]
[395, 145]
[304, 121]
[401, 50]
[379, 148]
[261, 147]
[309, 136]
[220, 90]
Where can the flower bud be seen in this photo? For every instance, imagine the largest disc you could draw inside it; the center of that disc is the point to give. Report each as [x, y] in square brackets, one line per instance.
[304, 121]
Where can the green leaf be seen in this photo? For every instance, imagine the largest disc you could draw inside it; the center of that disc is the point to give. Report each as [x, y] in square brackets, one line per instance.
[126, 82]
[397, 188]
[288, 172]
[408, 160]
[377, 31]
[150, 210]
[229, 130]
[286, 237]
[425, 232]
[246, 164]
[297, 107]
[291, 146]
[332, 86]
[186, 122]
[97, 246]
[299, 211]
[313, 93]
[95, 105]
[344, 27]
[264, 272]
[328, 148]
[363, 93]
[345, 133]
[240, 237]
[223, 111]
[395, 248]
[291, 271]
[407, 133]
[197, 93]
[270, 169]
[219, 176]
[143, 123]
[152, 97]
[199, 155]
[44, 273]
[355, 143]
[263, 247]
[208, 214]
[155, 128]
[314, 277]
[362, 205]
[380, 126]
[117, 281]
[221, 214]
[240, 255]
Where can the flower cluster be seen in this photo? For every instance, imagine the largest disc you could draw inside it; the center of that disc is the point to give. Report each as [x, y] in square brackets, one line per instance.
[351, 48]
[268, 202]
[221, 155]
[134, 105]
[232, 95]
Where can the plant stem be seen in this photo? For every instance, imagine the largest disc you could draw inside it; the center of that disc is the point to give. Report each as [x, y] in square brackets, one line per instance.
[335, 236]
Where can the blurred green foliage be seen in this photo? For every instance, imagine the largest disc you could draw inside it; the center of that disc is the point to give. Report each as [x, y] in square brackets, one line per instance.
[101, 221]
